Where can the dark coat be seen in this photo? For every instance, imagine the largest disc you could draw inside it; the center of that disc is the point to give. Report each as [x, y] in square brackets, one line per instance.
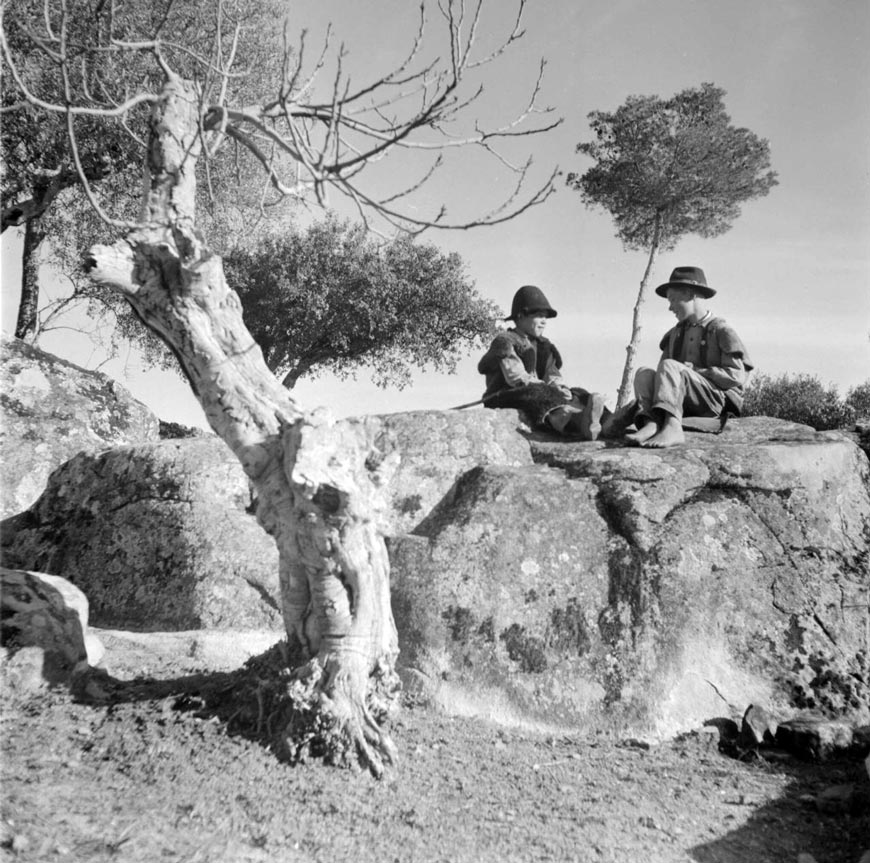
[539, 357]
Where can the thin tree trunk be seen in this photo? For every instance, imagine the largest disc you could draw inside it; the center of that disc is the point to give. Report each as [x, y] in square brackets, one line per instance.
[292, 377]
[626, 387]
[28, 306]
[315, 485]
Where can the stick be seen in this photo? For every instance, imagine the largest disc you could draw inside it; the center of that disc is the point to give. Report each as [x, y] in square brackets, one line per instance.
[468, 405]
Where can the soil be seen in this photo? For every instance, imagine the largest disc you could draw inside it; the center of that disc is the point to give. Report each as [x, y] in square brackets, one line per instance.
[173, 763]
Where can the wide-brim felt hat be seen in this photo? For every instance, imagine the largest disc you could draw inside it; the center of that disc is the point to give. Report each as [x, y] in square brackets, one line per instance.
[687, 277]
[528, 299]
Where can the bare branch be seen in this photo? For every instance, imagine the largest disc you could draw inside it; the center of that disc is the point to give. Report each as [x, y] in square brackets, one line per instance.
[419, 105]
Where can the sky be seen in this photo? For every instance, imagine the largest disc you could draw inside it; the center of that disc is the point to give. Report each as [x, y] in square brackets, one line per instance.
[792, 275]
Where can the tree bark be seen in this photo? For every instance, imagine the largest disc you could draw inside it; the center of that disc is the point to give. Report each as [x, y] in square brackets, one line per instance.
[626, 387]
[317, 491]
[28, 305]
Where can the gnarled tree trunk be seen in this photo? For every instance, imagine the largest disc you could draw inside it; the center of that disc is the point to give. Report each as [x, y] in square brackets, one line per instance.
[316, 487]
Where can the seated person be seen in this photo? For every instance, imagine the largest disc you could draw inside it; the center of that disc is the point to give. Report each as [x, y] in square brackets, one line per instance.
[523, 371]
[702, 372]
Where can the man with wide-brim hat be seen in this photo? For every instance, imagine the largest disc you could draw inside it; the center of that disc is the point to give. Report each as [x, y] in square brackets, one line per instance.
[524, 371]
[687, 277]
[702, 371]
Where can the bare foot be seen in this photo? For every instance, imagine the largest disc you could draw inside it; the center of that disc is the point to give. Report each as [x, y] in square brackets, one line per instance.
[644, 433]
[670, 434]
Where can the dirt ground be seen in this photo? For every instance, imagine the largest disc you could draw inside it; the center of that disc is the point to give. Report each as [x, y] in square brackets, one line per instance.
[167, 769]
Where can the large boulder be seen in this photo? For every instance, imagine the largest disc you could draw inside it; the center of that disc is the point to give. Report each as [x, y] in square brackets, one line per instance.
[645, 590]
[164, 535]
[583, 585]
[430, 450]
[52, 410]
[158, 536]
[43, 630]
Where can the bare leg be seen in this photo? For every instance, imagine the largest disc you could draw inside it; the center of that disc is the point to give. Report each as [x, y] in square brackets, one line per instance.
[669, 433]
[619, 421]
[644, 391]
[644, 433]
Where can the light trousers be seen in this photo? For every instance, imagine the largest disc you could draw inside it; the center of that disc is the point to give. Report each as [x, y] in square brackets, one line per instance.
[677, 390]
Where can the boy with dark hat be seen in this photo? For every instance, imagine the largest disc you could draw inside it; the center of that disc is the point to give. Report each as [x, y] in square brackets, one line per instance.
[523, 371]
[702, 372]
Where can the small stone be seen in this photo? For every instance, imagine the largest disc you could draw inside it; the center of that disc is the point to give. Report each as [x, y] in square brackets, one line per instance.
[813, 736]
[837, 798]
[20, 844]
[777, 756]
[634, 743]
[727, 728]
[758, 727]
[803, 857]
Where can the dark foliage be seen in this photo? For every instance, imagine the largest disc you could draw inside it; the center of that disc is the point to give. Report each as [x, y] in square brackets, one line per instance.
[803, 398]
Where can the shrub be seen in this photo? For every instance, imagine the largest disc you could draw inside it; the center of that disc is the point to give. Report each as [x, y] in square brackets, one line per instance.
[804, 399]
[858, 401]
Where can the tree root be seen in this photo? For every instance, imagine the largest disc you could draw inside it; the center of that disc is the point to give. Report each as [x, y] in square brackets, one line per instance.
[329, 712]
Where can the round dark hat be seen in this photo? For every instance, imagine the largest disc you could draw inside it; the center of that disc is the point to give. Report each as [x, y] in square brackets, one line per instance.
[687, 277]
[530, 299]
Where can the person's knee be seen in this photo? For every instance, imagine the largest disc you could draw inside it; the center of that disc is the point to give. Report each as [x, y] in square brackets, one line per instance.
[644, 381]
[671, 368]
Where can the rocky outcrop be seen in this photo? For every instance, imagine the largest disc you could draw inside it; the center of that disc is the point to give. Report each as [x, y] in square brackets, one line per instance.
[646, 590]
[44, 630]
[52, 410]
[158, 536]
[535, 580]
[421, 454]
[164, 535]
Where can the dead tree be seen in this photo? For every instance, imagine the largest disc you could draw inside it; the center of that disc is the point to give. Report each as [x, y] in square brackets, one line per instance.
[316, 480]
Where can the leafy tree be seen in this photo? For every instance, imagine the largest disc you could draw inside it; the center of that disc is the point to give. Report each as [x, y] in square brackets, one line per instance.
[665, 168]
[801, 398]
[858, 401]
[333, 298]
[316, 480]
[40, 182]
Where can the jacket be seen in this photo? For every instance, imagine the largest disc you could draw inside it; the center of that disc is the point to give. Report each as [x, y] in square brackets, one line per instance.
[539, 357]
[720, 342]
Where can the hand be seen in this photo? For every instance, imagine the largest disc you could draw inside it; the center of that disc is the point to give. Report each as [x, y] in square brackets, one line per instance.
[566, 391]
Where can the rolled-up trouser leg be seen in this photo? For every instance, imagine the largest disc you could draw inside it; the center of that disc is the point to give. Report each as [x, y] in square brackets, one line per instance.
[681, 391]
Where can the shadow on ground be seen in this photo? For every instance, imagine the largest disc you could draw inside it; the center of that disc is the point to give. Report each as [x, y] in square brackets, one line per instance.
[769, 832]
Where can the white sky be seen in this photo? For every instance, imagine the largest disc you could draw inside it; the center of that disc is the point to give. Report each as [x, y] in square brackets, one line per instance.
[793, 275]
